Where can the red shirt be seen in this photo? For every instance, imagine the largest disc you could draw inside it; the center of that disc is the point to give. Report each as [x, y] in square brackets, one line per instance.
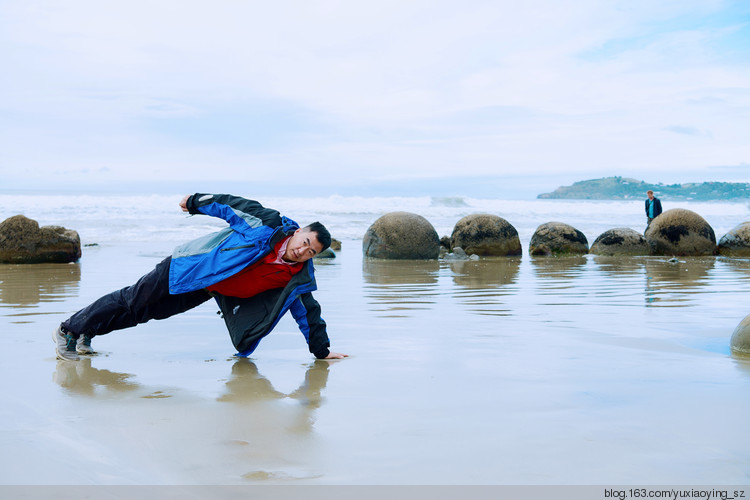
[269, 272]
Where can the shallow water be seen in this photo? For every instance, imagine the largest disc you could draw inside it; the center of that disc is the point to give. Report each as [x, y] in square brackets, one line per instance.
[584, 370]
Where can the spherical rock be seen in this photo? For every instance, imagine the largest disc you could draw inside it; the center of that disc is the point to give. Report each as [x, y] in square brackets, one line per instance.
[620, 241]
[328, 253]
[401, 235]
[681, 232]
[740, 341]
[22, 241]
[557, 238]
[486, 235]
[736, 243]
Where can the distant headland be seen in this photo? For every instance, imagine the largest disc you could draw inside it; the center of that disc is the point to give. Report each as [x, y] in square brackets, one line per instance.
[621, 188]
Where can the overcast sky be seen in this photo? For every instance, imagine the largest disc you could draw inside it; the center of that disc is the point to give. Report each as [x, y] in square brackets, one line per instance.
[384, 97]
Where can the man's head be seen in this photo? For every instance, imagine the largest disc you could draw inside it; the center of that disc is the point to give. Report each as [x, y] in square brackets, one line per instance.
[650, 194]
[307, 242]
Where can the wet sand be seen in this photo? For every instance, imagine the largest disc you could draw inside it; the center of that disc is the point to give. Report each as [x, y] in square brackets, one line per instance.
[526, 371]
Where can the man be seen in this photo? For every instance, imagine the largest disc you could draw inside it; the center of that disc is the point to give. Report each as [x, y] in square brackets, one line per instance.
[653, 207]
[257, 269]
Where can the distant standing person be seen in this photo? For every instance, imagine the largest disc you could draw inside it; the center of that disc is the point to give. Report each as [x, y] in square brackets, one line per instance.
[653, 207]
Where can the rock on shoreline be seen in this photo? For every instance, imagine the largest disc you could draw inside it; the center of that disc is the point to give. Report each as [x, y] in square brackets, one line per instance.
[401, 235]
[681, 232]
[22, 241]
[486, 235]
[620, 241]
[736, 243]
[556, 239]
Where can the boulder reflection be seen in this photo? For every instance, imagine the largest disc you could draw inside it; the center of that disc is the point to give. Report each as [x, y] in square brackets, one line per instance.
[556, 284]
[30, 284]
[485, 273]
[619, 266]
[675, 281]
[735, 264]
[483, 283]
[566, 268]
[394, 287]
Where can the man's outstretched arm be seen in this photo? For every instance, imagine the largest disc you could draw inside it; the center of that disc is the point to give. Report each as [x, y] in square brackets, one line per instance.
[241, 214]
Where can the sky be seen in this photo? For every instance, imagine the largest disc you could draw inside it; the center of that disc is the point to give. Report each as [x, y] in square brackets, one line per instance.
[495, 98]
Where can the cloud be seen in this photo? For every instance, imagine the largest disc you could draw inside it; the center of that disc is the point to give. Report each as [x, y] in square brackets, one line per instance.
[692, 131]
[161, 90]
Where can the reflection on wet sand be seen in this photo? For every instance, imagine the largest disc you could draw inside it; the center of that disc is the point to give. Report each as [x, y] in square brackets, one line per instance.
[557, 279]
[395, 286]
[736, 264]
[619, 266]
[82, 379]
[687, 271]
[29, 284]
[558, 267]
[483, 282]
[247, 385]
[485, 273]
[270, 434]
[675, 281]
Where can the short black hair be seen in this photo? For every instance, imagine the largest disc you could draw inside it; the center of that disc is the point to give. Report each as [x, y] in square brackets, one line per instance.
[324, 237]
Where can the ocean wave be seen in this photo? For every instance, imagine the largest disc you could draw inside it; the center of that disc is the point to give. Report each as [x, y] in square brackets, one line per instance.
[144, 218]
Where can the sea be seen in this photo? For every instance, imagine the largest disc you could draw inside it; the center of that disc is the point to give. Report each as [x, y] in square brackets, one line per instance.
[104, 219]
[585, 370]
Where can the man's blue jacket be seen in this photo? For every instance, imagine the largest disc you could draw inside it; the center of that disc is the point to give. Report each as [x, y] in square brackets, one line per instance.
[252, 233]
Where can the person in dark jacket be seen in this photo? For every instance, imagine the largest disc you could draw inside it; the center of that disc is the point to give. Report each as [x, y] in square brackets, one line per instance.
[653, 207]
[256, 269]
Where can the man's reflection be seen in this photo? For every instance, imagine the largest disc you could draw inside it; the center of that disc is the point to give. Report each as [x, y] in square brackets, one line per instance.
[83, 379]
[247, 386]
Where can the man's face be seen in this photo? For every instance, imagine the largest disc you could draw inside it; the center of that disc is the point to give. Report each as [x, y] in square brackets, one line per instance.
[303, 245]
[650, 196]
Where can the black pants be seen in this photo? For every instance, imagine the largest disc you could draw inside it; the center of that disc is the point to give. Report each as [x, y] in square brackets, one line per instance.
[148, 299]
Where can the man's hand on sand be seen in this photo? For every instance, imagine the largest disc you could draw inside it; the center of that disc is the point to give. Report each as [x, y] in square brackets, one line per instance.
[336, 355]
[183, 203]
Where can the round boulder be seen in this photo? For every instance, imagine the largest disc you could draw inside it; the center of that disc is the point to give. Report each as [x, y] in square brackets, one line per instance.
[740, 341]
[620, 241]
[736, 243]
[487, 235]
[558, 239]
[680, 232]
[22, 241]
[401, 235]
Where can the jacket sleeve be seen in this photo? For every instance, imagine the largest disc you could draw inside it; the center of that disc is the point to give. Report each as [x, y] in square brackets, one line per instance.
[241, 214]
[306, 312]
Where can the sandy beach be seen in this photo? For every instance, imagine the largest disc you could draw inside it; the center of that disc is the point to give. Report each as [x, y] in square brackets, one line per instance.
[508, 371]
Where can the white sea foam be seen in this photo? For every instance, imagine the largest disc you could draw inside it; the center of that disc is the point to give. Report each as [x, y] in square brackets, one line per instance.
[113, 218]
